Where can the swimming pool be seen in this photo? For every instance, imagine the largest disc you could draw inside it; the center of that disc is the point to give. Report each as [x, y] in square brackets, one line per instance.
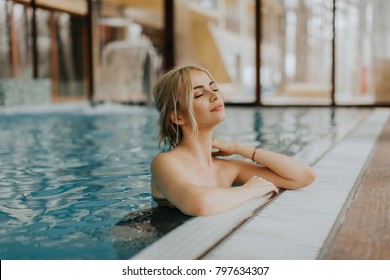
[67, 177]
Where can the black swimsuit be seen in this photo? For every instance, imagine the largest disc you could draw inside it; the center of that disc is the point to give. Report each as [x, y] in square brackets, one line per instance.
[163, 202]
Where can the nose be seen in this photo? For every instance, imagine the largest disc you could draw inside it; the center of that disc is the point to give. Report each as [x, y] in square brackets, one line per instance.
[213, 96]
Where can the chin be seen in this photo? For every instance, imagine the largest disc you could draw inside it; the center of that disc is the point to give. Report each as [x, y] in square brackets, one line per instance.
[222, 118]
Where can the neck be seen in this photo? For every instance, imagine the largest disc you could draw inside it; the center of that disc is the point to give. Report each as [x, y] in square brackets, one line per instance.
[199, 145]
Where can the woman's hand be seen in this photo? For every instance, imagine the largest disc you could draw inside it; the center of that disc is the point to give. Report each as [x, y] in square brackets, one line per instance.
[224, 148]
[261, 186]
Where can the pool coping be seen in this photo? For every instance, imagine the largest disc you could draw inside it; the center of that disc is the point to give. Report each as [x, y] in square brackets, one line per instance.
[364, 233]
[295, 225]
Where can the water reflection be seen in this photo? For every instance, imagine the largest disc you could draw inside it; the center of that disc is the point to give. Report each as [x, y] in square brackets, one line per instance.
[66, 179]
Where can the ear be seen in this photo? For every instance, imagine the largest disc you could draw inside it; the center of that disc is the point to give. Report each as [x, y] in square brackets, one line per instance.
[176, 118]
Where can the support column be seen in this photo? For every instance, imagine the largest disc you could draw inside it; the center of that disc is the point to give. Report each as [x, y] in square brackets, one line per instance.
[169, 29]
[14, 43]
[53, 56]
[89, 46]
[333, 73]
[34, 39]
[258, 52]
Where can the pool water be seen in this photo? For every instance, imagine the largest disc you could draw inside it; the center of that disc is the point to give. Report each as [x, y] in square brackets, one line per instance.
[67, 178]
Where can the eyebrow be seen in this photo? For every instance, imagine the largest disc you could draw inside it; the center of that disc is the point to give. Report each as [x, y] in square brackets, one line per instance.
[201, 86]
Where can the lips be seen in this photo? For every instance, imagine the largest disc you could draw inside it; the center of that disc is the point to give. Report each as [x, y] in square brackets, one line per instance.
[217, 108]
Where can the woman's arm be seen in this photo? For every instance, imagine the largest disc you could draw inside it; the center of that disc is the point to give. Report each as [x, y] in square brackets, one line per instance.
[196, 200]
[283, 171]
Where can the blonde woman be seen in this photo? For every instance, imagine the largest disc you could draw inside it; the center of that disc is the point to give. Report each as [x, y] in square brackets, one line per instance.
[189, 176]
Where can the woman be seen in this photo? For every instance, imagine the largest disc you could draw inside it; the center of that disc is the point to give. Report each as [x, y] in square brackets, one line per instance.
[189, 176]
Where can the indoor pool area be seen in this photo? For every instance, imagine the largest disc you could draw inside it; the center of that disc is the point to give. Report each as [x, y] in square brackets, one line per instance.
[93, 93]
[75, 183]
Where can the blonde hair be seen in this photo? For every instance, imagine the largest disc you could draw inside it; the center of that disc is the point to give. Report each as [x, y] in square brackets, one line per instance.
[166, 94]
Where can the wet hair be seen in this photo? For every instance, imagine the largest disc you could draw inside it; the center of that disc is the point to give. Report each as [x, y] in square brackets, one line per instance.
[166, 93]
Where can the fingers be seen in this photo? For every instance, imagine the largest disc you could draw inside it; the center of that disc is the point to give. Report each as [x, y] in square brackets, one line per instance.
[217, 153]
[265, 184]
[216, 143]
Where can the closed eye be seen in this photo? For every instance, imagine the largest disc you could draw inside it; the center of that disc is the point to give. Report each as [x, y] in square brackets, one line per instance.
[213, 86]
[197, 96]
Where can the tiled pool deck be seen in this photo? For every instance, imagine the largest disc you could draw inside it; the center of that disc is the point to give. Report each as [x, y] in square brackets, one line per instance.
[299, 224]
[365, 231]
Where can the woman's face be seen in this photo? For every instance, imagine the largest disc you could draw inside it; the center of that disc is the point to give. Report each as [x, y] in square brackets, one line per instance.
[208, 102]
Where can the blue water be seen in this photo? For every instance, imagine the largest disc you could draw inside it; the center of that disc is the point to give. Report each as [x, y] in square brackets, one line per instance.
[67, 178]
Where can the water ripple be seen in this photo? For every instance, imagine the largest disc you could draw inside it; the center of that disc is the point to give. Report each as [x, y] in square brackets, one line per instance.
[67, 178]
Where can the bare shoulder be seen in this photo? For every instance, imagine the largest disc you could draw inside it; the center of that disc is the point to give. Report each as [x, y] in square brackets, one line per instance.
[161, 157]
[163, 161]
[159, 160]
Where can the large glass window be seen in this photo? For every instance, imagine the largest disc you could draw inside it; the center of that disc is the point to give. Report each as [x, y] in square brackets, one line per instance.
[296, 52]
[15, 42]
[5, 46]
[69, 56]
[47, 52]
[354, 24]
[129, 36]
[362, 52]
[62, 37]
[220, 36]
[381, 50]
[133, 41]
